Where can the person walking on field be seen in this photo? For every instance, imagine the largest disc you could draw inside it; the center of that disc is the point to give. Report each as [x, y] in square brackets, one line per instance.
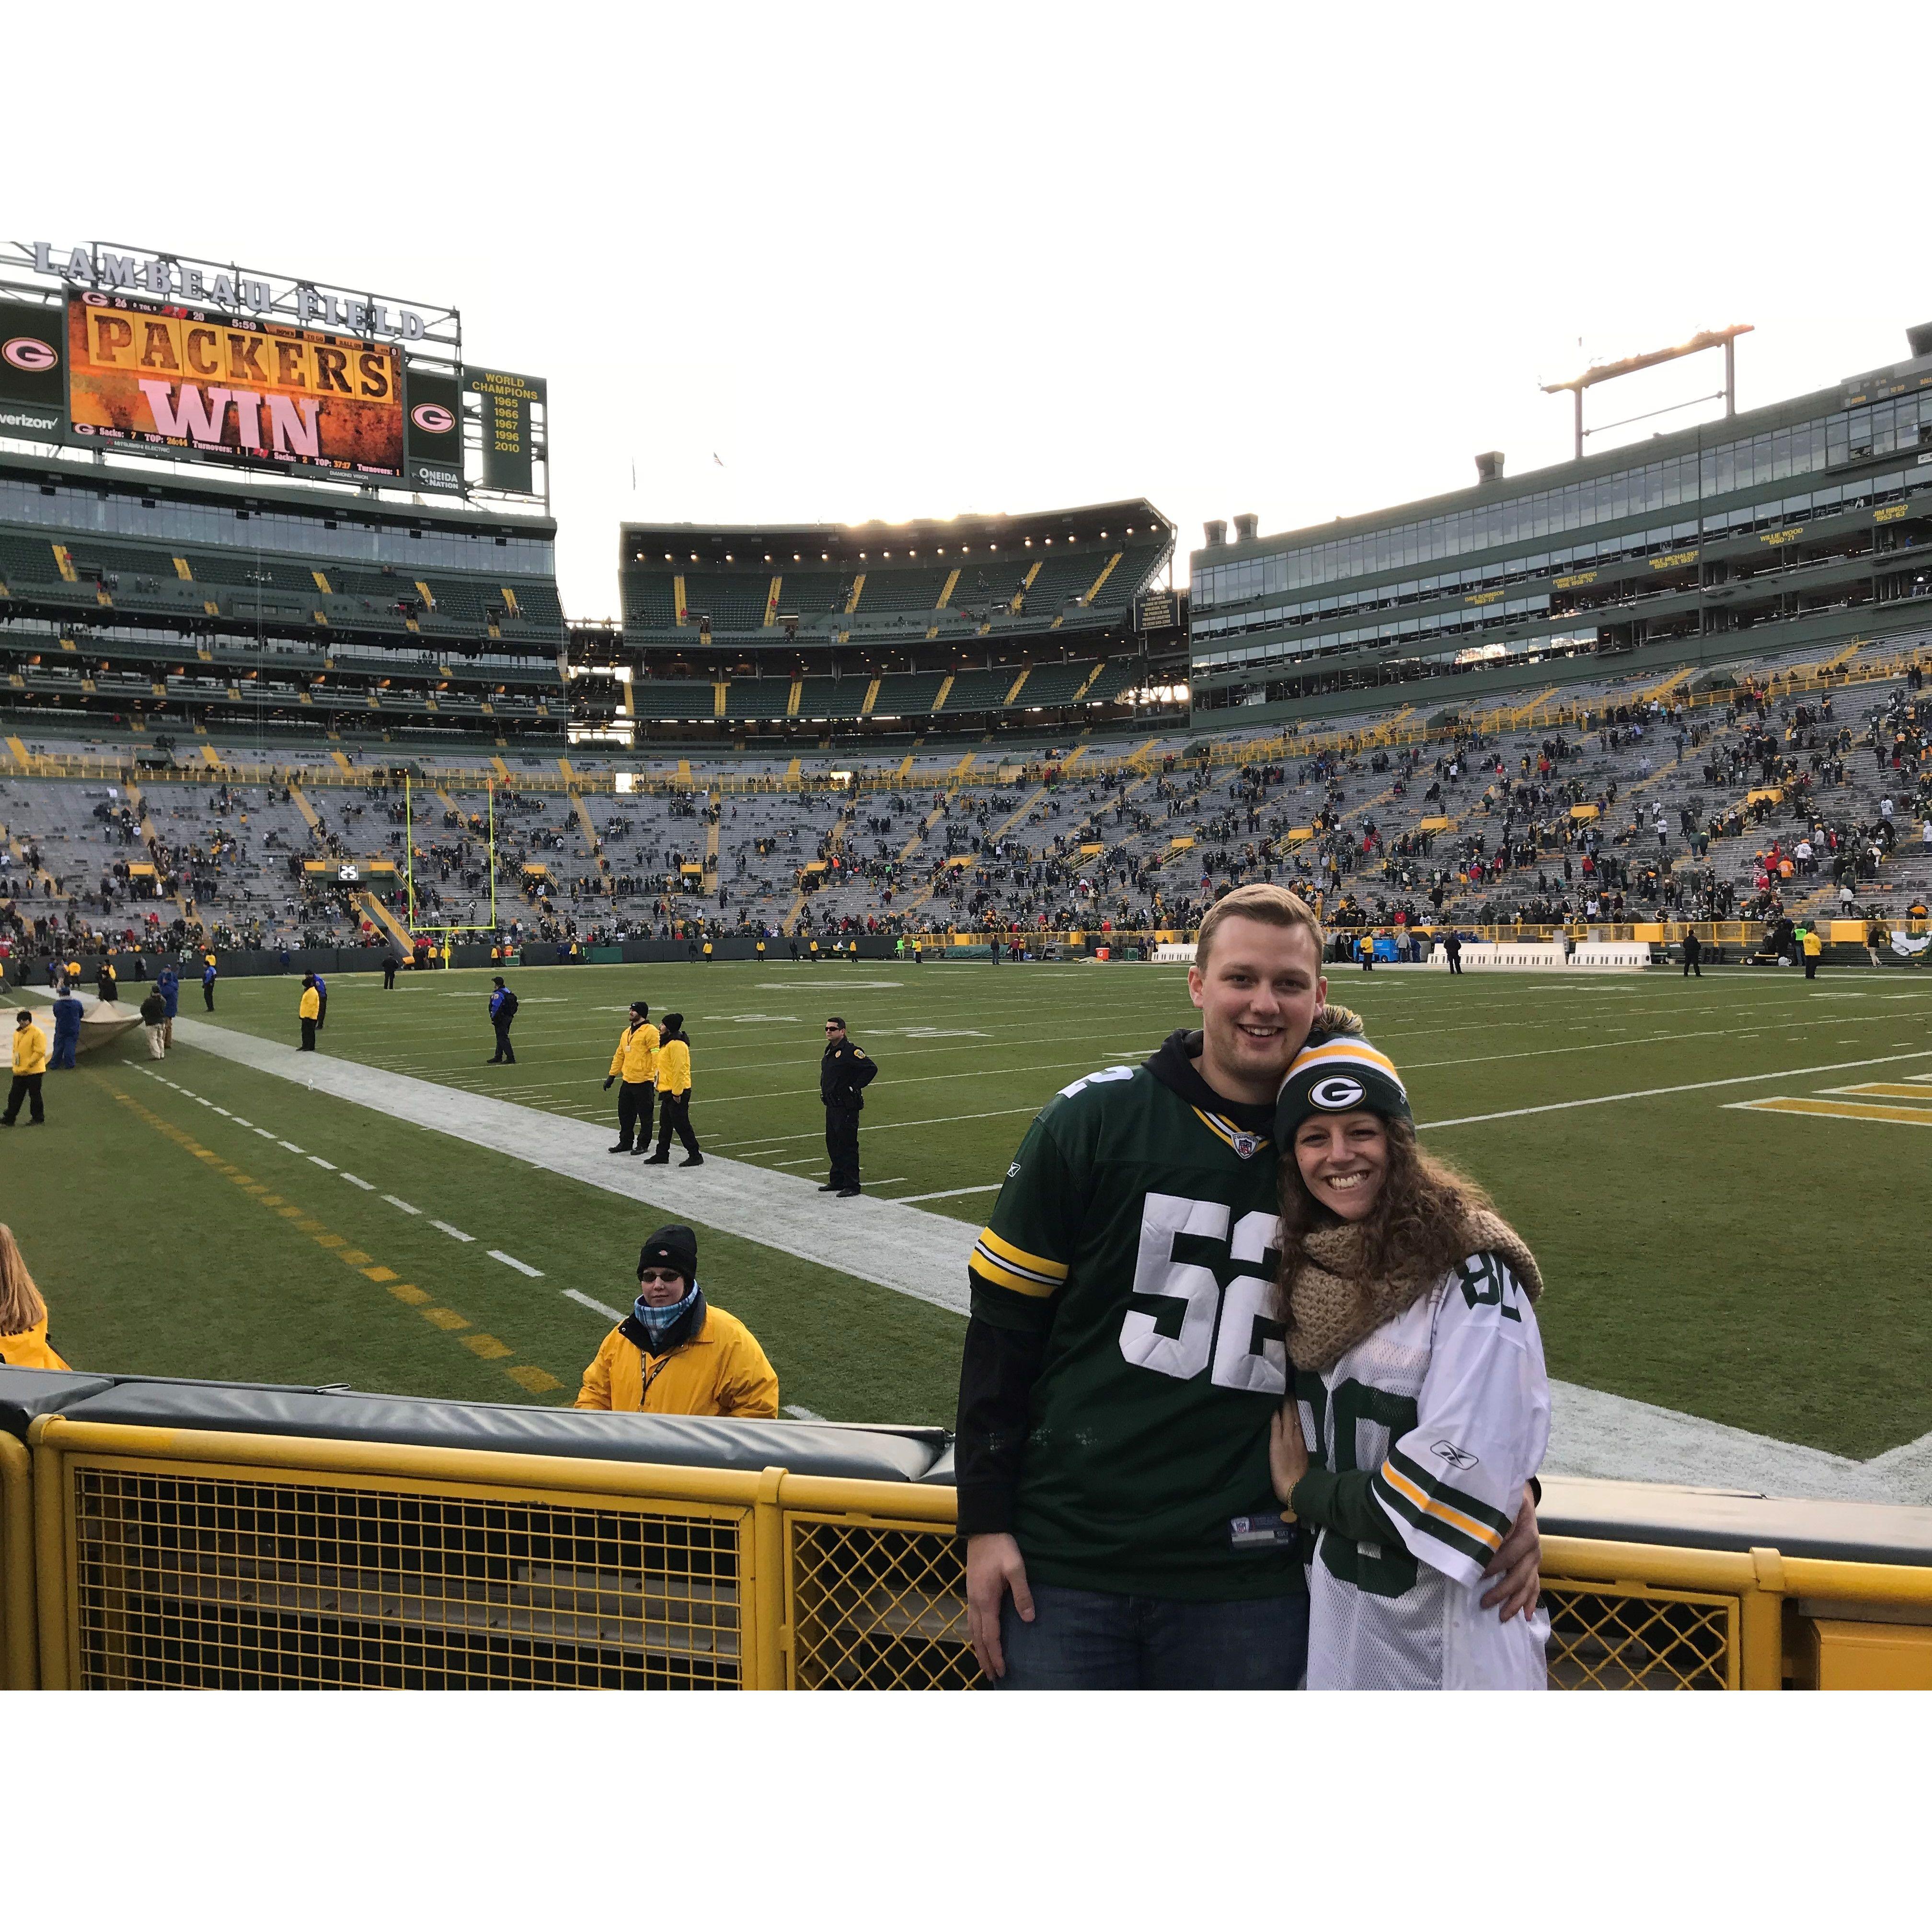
[30, 1067]
[502, 1011]
[23, 1312]
[155, 1018]
[309, 1011]
[169, 986]
[388, 972]
[673, 1078]
[635, 1063]
[66, 1029]
[209, 974]
[1452, 948]
[844, 1075]
[1693, 954]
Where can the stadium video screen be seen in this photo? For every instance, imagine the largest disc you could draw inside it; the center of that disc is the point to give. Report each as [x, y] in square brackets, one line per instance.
[187, 379]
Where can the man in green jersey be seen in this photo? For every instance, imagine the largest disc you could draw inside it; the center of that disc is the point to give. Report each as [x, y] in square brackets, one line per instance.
[1122, 1361]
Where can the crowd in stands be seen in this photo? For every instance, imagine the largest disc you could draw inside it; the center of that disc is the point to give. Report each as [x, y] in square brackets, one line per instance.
[1763, 804]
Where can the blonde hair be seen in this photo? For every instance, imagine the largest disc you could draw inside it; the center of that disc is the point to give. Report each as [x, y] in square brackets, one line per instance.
[21, 1307]
[1268, 905]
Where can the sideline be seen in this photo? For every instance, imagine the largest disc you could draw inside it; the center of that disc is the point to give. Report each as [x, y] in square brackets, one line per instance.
[916, 1254]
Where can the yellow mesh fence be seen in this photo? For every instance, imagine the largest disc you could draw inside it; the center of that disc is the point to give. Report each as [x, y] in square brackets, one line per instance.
[876, 1607]
[1631, 1637]
[210, 1580]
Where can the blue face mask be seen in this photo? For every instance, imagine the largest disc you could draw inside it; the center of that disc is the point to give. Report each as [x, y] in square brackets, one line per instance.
[659, 1322]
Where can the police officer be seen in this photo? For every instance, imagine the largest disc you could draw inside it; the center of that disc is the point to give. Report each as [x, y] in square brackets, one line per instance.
[310, 1013]
[169, 986]
[844, 1075]
[502, 1011]
[209, 974]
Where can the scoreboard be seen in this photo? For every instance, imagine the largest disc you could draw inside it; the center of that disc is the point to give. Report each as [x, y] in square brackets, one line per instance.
[166, 354]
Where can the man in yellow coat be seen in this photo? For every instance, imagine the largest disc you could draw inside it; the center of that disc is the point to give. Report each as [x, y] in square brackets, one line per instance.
[675, 1354]
[309, 1012]
[30, 1067]
[635, 1063]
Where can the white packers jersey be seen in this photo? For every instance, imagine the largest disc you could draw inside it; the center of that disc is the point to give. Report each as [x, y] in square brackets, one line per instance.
[1433, 1424]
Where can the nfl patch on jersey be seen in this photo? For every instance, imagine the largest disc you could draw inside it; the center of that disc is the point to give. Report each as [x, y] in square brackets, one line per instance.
[1268, 1531]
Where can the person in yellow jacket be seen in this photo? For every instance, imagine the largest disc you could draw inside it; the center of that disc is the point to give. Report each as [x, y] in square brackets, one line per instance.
[30, 1068]
[1813, 946]
[674, 1353]
[635, 1063]
[23, 1314]
[674, 1095]
[310, 1012]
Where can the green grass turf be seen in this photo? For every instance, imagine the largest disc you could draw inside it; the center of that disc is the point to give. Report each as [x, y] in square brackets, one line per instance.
[1757, 1269]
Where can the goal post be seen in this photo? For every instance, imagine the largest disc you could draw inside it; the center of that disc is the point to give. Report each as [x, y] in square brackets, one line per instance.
[418, 925]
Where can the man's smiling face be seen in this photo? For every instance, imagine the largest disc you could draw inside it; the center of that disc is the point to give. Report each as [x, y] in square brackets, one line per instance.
[1257, 994]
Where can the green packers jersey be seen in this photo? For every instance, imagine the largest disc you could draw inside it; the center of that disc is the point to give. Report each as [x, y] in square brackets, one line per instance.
[1138, 1228]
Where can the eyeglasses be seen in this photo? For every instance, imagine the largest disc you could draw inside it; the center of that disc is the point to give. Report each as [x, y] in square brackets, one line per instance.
[659, 1274]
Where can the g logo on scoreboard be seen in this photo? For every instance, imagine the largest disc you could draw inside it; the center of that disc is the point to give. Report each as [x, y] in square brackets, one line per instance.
[1336, 1094]
[28, 353]
[433, 418]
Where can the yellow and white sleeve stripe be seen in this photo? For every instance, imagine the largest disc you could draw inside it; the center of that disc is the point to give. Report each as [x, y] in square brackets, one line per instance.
[998, 1261]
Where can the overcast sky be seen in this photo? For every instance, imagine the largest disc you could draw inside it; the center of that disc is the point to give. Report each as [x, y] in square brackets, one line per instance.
[833, 263]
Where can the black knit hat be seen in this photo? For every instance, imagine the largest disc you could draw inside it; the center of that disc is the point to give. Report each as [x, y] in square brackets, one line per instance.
[642, 1008]
[673, 1247]
[1340, 1075]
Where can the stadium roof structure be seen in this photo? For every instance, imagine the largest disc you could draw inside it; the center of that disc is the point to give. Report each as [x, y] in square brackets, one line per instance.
[877, 541]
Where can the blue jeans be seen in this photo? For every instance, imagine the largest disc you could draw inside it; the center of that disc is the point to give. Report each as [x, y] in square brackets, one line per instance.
[1094, 1640]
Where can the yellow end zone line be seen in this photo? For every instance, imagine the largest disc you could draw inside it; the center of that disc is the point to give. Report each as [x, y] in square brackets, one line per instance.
[1879, 1090]
[525, 1375]
[1836, 1110]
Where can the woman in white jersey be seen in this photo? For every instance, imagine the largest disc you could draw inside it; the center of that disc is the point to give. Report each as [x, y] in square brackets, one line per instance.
[1422, 1403]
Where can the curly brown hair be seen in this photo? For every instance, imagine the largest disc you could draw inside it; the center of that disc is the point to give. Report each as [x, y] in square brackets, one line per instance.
[1416, 1230]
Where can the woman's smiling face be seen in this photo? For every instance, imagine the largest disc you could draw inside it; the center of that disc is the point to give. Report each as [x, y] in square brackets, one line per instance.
[1344, 1160]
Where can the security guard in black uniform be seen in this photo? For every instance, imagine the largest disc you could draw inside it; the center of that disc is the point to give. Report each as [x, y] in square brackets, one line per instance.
[844, 1075]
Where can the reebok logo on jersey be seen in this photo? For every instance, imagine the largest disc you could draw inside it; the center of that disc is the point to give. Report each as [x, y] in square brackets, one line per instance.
[1456, 1459]
[1013, 1170]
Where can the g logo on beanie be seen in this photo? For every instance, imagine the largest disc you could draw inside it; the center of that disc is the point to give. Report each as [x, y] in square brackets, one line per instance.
[1336, 1096]
[1337, 1077]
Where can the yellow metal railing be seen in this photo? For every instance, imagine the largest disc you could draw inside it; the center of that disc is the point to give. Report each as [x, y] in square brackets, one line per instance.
[19, 1663]
[151, 1558]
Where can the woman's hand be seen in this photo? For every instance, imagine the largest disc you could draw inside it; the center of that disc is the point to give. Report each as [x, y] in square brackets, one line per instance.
[1288, 1452]
[1519, 1564]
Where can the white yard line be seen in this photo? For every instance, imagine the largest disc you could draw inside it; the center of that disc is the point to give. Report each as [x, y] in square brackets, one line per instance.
[951, 1193]
[455, 1233]
[1652, 1092]
[511, 1261]
[403, 1205]
[799, 1414]
[316, 1160]
[595, 1307]
[356, 1180]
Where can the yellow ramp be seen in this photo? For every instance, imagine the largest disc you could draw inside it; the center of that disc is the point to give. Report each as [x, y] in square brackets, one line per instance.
[207, 754]
[502, 770]
[386, 919]
[584, 819]
[716, 800]
[20, 751]
[341, 759]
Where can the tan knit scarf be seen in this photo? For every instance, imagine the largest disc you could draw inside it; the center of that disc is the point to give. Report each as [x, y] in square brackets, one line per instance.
[1331, 1307]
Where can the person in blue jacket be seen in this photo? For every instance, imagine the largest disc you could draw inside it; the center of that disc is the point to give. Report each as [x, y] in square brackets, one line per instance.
[322, 993]
[502, 1011]
[208, 976]
[66, 1027]
[169, 986]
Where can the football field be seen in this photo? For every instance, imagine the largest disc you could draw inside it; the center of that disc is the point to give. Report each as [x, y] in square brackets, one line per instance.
[1723, 1179]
